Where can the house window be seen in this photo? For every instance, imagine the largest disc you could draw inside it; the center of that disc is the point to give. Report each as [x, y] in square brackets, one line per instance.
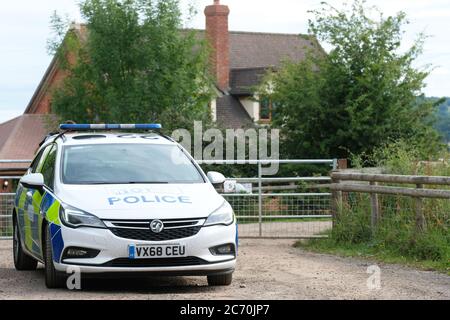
[266, 109]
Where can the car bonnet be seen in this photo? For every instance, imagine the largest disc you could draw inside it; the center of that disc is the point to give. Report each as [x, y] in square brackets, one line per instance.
[142, 201]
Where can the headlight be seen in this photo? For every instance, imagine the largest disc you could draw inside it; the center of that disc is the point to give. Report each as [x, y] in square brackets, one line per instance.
[224, 215]
[75, 218]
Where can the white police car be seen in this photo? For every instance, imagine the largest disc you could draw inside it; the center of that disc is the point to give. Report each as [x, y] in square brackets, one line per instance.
[121, 202]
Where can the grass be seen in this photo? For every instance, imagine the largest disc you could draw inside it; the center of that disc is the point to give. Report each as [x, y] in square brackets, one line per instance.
[371, 252]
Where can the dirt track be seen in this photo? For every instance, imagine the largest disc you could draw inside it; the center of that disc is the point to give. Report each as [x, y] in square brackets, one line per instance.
[267, 269]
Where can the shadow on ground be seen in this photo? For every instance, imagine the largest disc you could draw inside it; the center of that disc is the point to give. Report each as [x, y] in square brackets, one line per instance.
[138, 285]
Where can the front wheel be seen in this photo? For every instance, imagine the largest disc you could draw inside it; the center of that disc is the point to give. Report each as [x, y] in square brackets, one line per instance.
[220, 279]
[53, 278]
[22, 261]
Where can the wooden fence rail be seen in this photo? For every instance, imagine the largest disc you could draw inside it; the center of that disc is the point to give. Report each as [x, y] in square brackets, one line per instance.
[392, 178]
[418, 193]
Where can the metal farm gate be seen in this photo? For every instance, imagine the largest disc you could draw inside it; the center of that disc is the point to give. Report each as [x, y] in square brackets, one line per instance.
[6, 205]
[282, 207]
[8, 185]
[266, 207]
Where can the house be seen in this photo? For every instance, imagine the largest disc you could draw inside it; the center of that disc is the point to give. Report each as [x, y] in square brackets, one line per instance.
[239, 61]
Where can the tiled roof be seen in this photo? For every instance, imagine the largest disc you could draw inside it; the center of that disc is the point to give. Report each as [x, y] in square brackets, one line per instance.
[252, 54]
[5, 130]
[20, 137]
[231, 113]
[251, 50]
[256, 50]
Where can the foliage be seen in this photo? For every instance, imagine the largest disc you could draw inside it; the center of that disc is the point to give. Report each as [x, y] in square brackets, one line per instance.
[403, 157]
[396, 231]
[135, 65]
[360, 95]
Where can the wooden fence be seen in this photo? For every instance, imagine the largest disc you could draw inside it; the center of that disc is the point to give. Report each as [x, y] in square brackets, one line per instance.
[340, 184]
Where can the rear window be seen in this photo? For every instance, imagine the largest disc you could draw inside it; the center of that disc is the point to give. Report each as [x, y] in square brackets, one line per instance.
[127, 164]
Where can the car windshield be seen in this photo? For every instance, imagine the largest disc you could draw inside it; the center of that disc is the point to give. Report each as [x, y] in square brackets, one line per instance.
[126, 164]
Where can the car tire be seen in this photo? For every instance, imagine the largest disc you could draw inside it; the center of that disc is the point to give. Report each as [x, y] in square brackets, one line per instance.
[22, 261]
[53, 278]
[220, 279]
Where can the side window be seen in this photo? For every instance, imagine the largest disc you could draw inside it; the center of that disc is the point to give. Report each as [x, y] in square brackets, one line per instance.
[48, 168]
[34, 164]
[39, 160]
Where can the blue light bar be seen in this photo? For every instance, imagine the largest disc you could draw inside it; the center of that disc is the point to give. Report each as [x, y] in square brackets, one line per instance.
[80, 127]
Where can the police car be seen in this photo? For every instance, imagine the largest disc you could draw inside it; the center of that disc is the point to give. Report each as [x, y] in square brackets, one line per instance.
[115, 202]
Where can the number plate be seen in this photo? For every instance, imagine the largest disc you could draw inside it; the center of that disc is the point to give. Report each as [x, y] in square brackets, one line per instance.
[159, 251]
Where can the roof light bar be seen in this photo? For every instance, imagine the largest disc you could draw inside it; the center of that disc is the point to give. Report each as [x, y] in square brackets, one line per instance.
[80, 127]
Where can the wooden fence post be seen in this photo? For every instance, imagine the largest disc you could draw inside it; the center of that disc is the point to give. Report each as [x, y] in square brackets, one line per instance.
[336, 201]
[420, 218]
[342, 164]
[374, 205]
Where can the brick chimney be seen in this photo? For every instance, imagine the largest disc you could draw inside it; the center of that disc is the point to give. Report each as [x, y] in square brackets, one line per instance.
[219, 39]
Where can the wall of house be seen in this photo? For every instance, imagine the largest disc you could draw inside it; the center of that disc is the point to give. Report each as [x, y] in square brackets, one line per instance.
[43, 101]
[251, 106]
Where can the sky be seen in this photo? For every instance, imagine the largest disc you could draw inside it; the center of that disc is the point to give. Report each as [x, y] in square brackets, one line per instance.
[25, 28]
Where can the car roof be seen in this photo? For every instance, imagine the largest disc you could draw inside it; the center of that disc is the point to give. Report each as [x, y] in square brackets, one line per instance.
[93, 138]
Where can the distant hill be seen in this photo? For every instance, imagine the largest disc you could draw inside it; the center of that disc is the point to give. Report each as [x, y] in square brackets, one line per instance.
[443, 116]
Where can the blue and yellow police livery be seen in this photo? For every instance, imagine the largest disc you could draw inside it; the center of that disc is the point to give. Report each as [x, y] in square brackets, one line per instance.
[114, 201]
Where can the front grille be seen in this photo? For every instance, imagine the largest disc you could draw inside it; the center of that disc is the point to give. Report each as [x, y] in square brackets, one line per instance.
[148, 235]
[158, 262]
[140, 230]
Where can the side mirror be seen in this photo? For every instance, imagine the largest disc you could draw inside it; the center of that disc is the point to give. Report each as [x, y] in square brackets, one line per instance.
[216, 177]
[33, 181]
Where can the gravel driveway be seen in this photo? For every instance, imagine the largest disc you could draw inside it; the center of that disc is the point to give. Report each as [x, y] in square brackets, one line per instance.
[267, 269]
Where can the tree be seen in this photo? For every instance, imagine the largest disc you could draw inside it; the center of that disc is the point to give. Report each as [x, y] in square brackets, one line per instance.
[136, 64]
[360, 95]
